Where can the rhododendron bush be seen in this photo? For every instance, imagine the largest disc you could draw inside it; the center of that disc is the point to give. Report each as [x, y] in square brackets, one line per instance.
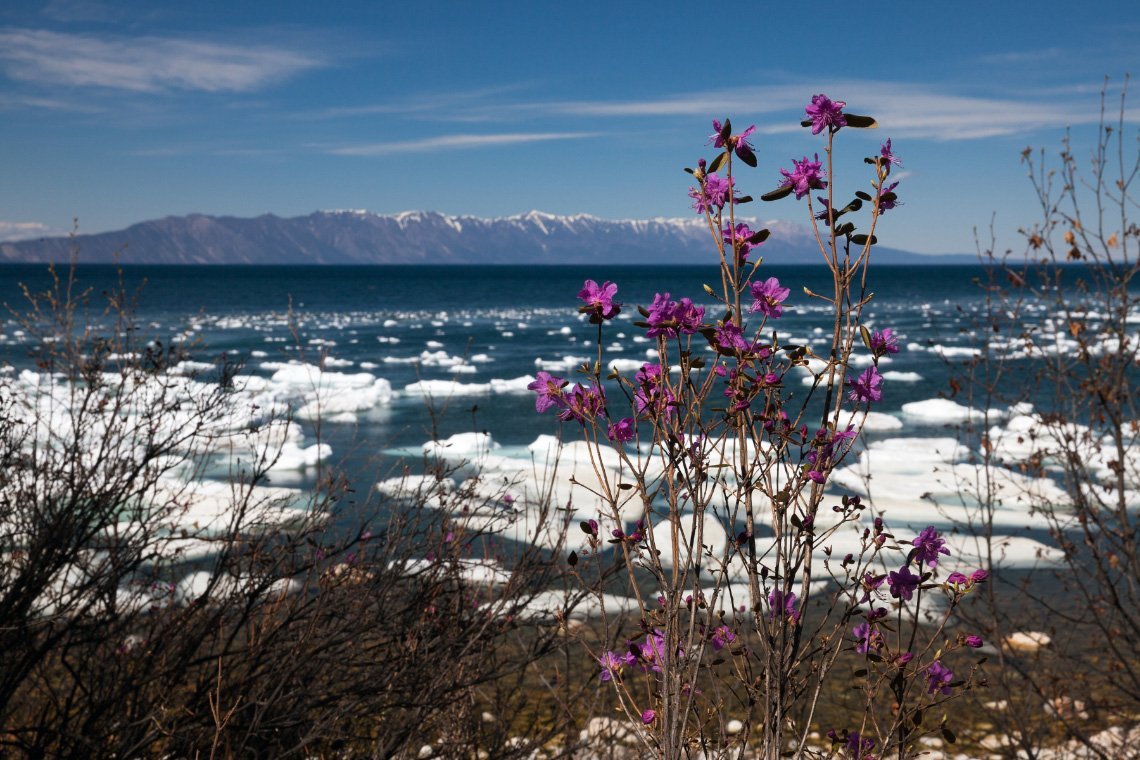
[758, 584]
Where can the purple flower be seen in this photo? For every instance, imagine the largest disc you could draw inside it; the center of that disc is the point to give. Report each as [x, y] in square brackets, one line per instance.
[865, 637]
[549, 389]
[622, 431]
[652, 652]
[887, 203]
[613, 665]
[871, 583]
[884, 342]
[974, 641]
[939, 677]
[957, 579]
[857, 747]
[583, 404]
[979, 576]
[653, 397]
[648, 716]
[927, 546]
[722, 636]
[826, 206]
[804, 177]
[825, 113]
[713, 195]
[738, 143]
[730, 338]
[866, 387]
[737, 238]
[903, 583]
[782, 605]
[668, 318]
[599, 301]
[769, 297]
[888, 158]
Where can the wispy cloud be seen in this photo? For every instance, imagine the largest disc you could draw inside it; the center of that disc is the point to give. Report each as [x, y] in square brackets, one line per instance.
[452, 142]
[145, 64]
[1024, 56]
[11, 231]
[903, 109]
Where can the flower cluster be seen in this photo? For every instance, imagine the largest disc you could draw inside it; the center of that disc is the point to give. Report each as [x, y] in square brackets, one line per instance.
[668, 319]
[825, 113]
[804, 177]
[580, 403]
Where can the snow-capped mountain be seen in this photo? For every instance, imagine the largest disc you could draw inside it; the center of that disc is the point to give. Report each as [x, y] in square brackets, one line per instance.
[355, 236]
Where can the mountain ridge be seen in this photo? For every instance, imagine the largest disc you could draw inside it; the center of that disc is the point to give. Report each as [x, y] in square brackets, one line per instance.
[356, 236]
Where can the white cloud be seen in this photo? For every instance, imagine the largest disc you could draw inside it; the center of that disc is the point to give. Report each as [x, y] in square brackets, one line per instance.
[902, 109]
[144, 64]
[453, 142]
[11, 231]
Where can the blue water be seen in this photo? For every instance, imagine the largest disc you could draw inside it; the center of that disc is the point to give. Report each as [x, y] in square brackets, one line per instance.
[512, 315]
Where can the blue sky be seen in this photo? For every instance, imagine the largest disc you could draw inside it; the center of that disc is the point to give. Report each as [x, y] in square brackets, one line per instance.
[117, 112]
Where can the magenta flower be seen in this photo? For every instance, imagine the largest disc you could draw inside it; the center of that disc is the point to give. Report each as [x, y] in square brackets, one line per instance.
[737, 239]
[729, 339]
[769, 297]
[549, 390]
[622, 431]
[867, 387]
[903, 583]
[957, 579]
[927, 546]
[864, 634]
[599, 301]
[782, 605]
[583, 404]
[888, 199]
[670, 318]
[718, 189]
[979, 576]
[825, 113]
[652, 652]
[974, 641]
[737, 143]
[804, 177]
[648, 716]
[613, 665]
[722, 636]
[858, 748]
[884, 342]
[887, 157]
[939, 677]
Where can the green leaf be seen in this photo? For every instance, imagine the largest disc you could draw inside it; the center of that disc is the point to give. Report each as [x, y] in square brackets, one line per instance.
[643, 311]
[689, 171]
[572, 559]
[748, 157]
[759, 237]
[863, 195]
[948, 735]
[888, 197]
[862, 239]
[860, 122]
[744, 199]
[777, 194]
[844, 229]
[726, 130]
[709, 290]
[865, 334]
[806, 123]
[717, 162]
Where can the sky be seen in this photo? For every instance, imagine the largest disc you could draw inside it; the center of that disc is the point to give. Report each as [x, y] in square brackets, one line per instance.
[112, 113]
